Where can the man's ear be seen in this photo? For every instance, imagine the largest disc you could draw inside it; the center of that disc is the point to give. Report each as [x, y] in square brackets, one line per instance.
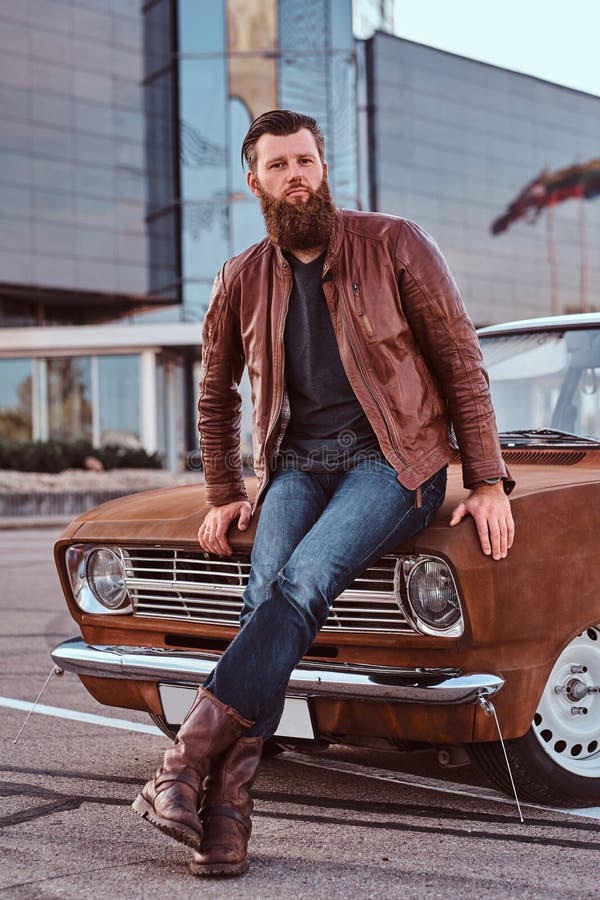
[251, 182]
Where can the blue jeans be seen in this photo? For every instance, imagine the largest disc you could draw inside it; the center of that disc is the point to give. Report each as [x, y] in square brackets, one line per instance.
[316, 534]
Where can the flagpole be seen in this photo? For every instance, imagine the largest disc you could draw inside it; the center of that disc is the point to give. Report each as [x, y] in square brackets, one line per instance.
[552, 259]
[585, 258]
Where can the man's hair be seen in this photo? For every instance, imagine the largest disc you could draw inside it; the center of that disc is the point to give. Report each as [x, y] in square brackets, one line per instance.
[280, 122]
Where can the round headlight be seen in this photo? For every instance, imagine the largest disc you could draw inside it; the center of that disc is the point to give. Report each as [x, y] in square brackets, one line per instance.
[432, 594]
[426, 592]
[106, 577]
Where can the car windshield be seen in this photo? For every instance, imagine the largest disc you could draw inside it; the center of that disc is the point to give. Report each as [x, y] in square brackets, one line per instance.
[546, 380]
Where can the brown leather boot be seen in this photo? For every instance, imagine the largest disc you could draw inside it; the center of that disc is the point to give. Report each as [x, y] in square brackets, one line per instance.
[169, 801]
[226, 811]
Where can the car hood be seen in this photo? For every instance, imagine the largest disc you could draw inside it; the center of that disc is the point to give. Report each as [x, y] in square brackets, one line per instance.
[173, 515]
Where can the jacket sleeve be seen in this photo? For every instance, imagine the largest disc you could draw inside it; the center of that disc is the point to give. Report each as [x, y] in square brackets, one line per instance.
[220, 402]
[448, 341]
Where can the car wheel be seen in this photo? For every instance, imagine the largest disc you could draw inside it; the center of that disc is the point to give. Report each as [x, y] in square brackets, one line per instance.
[558, 760]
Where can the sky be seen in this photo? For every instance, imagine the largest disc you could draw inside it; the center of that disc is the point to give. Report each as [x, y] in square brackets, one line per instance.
[551, 39]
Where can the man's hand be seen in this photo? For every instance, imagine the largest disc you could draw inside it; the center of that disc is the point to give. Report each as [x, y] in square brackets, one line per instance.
[212, 534]
[490, 507]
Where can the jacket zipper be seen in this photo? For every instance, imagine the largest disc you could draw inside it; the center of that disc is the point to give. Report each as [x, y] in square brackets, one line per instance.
[360, 309]
[280, 401]
[379, 403]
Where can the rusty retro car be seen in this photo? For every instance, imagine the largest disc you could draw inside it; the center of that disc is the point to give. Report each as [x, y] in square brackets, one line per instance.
[428, 643]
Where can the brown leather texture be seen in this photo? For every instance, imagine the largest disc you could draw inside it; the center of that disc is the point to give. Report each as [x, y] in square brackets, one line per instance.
[406, 343]
[170, 799]
[226, 810]
[519, 612]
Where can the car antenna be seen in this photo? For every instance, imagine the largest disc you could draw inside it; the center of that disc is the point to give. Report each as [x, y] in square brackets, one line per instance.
[490, 710]
[55, 670]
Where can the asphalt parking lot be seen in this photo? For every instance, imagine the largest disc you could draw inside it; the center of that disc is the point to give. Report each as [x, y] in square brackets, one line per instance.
[343, 823]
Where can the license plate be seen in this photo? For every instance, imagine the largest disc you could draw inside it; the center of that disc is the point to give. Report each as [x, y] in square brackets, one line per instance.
[296, 721]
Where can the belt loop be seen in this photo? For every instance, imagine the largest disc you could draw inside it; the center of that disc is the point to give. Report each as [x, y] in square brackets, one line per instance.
[418, 498]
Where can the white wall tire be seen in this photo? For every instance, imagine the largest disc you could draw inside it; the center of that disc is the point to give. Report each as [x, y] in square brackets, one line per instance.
[558, 760]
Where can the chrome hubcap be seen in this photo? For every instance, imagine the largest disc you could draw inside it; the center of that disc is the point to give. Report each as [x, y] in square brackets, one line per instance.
[567, 721]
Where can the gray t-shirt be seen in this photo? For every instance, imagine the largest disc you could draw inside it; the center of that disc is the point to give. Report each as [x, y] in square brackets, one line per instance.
[328, 428]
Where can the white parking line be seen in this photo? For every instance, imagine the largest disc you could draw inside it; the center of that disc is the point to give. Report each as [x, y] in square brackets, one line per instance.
[61, 713]
[427, 784]
[418, 781]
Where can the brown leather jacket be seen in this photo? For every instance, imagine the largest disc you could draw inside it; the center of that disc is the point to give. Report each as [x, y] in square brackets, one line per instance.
[406, 342]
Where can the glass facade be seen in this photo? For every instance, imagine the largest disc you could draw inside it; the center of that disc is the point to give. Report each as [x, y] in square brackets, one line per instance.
[249, 56]
[119, 399]
[453, 142]
[16, 379]
[81, 140]
[95, 398]
[69, 400]
[120, 182]
[160, 107]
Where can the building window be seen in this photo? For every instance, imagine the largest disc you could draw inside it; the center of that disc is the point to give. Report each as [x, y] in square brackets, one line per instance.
[119, 400]
[69, 398]
[16, 376]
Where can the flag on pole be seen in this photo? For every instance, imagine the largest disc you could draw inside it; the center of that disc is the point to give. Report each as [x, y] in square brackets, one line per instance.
[547, 189]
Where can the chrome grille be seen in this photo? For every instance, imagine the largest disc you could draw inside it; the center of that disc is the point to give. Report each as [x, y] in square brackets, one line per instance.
[177, 584]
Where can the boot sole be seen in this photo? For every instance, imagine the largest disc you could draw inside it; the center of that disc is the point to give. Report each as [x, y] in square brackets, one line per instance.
[222, 870]
[182, 833]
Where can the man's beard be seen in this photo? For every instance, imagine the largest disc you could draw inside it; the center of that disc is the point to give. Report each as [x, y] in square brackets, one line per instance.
[301, 227]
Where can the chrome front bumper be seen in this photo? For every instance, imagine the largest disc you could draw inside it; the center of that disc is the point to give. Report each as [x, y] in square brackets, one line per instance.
[332, 680]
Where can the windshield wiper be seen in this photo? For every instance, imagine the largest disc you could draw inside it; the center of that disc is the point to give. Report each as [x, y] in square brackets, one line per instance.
[554, 435]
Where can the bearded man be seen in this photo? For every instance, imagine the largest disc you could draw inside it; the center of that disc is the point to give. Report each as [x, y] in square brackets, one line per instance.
[360, 355]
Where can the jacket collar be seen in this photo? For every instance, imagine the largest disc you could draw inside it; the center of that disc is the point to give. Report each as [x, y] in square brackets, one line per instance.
[337, 236]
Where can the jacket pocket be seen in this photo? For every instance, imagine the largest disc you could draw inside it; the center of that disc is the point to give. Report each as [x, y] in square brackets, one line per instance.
[360, 309]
